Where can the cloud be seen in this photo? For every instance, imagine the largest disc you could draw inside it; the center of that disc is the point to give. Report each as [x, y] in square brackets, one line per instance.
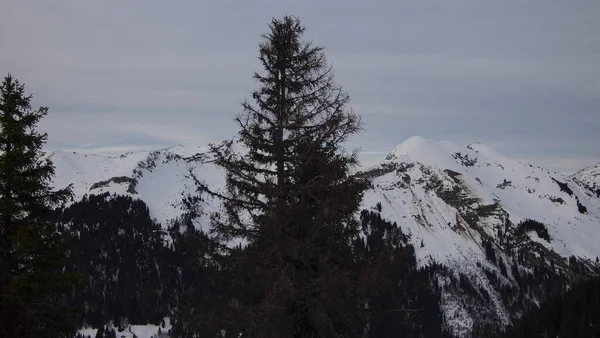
[519, 76]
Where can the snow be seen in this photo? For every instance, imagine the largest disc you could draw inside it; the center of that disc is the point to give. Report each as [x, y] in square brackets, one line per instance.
[139, 331]
[589, 176]
[527, 196]
[523, 191]
[88, 332]
[163, 178]
[482, 149]
[83, 170]
[419, 149]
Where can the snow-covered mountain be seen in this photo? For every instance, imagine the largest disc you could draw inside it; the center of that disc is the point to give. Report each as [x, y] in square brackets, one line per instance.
[166, 179]
[590, 178]
[457, 205]
[452, 199]
[439, 191]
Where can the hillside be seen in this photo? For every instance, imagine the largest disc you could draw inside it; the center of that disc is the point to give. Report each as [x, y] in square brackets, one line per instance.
[501, 229]
[590, 178]
[167, 180]
[461, 207]
[438, 183]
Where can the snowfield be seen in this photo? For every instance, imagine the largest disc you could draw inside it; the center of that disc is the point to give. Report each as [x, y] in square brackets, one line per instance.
[431, 188]
[524, 191]
[589, 177]
[138, 331]
[447, 198]
[162, 178]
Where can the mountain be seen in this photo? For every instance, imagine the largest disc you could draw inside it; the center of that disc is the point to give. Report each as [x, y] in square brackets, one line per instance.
[494, 236]
[438, 184]
[590, 178]
[124, 230]
[473, 211]
[170, 181]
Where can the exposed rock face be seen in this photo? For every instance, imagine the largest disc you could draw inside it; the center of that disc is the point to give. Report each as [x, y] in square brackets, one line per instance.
[468, 209]
[462, 206]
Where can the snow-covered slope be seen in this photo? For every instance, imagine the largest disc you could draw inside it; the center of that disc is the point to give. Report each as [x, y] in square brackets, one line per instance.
[590, 178]
[164, 179]
[448, 199]
[425, 186]
[134, 331]
[428, 187]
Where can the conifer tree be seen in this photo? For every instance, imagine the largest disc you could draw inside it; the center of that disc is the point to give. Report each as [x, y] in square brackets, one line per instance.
[31, 278]
[291, 199]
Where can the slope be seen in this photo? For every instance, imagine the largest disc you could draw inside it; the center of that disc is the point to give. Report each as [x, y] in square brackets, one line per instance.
[460, 206]
[590, 178]
[171, 181]
[466, 208]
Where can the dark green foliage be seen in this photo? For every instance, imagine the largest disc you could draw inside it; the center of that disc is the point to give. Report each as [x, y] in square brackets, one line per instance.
[133, 272]
[122, 252]
[502, 267]
[292, 199]
[579, 266]
[488, 209]
[504, 184]
[453, 174]
[407, 299]
[178, 330]
[105, 332]
[580, 207]
[32, 283]
[532, 225]
[464, 159]
[490, 253]
[564, 187]
[571, 314]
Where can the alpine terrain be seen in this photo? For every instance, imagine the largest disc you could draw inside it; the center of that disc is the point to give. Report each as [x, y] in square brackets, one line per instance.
[484, 237]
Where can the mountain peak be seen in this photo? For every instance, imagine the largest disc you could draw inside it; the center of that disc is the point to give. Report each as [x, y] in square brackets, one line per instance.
[420, 149]
[589, 177]
[409, 145]
[482, 149]
[462, 207]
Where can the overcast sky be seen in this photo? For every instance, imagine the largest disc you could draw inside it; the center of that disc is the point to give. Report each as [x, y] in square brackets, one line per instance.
[522, 77]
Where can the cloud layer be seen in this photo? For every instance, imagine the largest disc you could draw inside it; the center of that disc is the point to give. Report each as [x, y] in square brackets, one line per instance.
[520, 76]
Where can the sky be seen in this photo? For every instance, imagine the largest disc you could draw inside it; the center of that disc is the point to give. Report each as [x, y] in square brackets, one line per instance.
[522, 77]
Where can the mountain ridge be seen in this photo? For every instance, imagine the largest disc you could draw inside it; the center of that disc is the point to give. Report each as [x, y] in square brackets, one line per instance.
[486, 175]
[488, 218]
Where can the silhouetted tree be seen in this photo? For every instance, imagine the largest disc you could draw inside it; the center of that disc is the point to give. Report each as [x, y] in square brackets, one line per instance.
[31, 255]
[571, 314]
[291, 199]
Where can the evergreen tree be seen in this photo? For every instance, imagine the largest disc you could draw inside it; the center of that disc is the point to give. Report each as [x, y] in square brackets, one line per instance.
[291, 199]
[110, 235]
[31, 278]
[573, 313]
